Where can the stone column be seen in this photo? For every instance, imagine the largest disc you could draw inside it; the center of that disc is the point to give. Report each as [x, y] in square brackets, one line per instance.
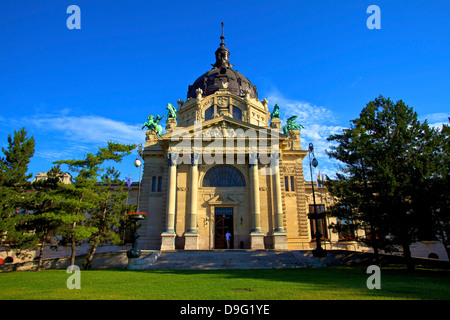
[278, 205]
[191, 237]
[256, 235]
[279, 234]
[168, 236]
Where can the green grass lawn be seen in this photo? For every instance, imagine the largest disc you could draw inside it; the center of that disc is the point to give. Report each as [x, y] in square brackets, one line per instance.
[273, 284]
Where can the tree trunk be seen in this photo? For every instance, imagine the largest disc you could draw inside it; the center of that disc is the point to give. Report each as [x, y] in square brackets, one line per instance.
[90, 256]
[445, 241]
[74, 245]
[408, 258]
[377, 255]
[375, 246]
[41, 254]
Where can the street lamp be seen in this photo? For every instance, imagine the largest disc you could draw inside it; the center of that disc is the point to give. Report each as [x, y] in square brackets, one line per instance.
[137, 164]
[319, 251]
[135, 217]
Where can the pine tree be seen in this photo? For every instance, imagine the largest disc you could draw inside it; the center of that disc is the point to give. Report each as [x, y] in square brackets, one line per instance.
[80, 202]
[110, 214]
[13, 189]
[45, 219]
[389, 164]
[14, 165]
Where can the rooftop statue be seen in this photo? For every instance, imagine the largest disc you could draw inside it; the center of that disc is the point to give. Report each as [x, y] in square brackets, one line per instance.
[172, 111]
[291, 125]
[275, 113]
[152, 124]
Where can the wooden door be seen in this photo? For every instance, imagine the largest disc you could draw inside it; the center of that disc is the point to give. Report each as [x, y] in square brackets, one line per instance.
[219, 237]
[223, 224]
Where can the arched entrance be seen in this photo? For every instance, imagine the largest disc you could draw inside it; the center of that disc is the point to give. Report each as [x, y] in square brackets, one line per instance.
[225, 182]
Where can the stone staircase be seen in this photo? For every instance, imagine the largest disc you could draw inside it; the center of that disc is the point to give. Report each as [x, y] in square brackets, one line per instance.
[225, 259]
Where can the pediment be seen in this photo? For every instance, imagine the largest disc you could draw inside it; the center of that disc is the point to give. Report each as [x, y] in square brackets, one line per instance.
[223, 199]
[224, 127]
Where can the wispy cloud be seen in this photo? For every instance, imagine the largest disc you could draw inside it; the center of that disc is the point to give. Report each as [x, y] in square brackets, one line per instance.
[89, 129]
[436, 120]
[63, 135]
[58, 153]
[319, 123]
[306, 112]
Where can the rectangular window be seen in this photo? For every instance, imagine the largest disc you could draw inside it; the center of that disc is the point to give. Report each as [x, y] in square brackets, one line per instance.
[319, 207]
[153, 184]
[286, 183]
[159, 184]
[346, 230]
[156, 184]
[292, 184]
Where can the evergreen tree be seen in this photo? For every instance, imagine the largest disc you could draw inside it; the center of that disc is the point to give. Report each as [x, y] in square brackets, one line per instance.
[389, 165]
[14, 197]
[110, 214]
[14, 165]
[81, 201]
[436, 189]
[45, 219]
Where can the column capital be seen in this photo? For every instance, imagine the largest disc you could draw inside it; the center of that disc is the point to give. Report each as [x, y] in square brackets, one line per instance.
[253, 158]
[275, 155]
[195, 157]
[172, 159]
[275, 158]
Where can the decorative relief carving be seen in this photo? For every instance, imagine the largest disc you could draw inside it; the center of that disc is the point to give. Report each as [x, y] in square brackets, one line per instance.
[222, 101]
[287, 170]
[212, 133]
[208, 196]
[291, 194]
[224, 131]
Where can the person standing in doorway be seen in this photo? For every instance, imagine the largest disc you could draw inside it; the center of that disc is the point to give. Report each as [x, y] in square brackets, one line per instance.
[228, 238]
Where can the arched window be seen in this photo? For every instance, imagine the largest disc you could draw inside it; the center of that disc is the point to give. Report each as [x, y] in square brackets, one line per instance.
[223, 176]
[209, 113]
[237, 113]
[433, 256]
[8, 260]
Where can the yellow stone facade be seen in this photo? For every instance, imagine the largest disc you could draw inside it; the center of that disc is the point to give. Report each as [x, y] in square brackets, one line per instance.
[182, 213]
[224, 165]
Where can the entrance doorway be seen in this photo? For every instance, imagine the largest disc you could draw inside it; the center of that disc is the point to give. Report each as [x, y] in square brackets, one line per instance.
[223, 224]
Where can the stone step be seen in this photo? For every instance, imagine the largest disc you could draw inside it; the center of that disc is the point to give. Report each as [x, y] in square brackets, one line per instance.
[225, 259]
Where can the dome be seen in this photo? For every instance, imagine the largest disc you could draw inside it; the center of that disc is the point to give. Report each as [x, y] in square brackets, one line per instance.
[222, 76]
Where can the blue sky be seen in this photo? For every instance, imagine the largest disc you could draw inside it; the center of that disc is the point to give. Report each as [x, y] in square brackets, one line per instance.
[75, 89]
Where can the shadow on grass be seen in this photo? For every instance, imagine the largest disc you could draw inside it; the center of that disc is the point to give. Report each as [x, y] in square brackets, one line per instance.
[334, 282]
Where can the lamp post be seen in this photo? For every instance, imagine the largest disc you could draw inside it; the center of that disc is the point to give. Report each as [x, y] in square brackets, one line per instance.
[135, 217]
[319, 251]
[137, 163]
